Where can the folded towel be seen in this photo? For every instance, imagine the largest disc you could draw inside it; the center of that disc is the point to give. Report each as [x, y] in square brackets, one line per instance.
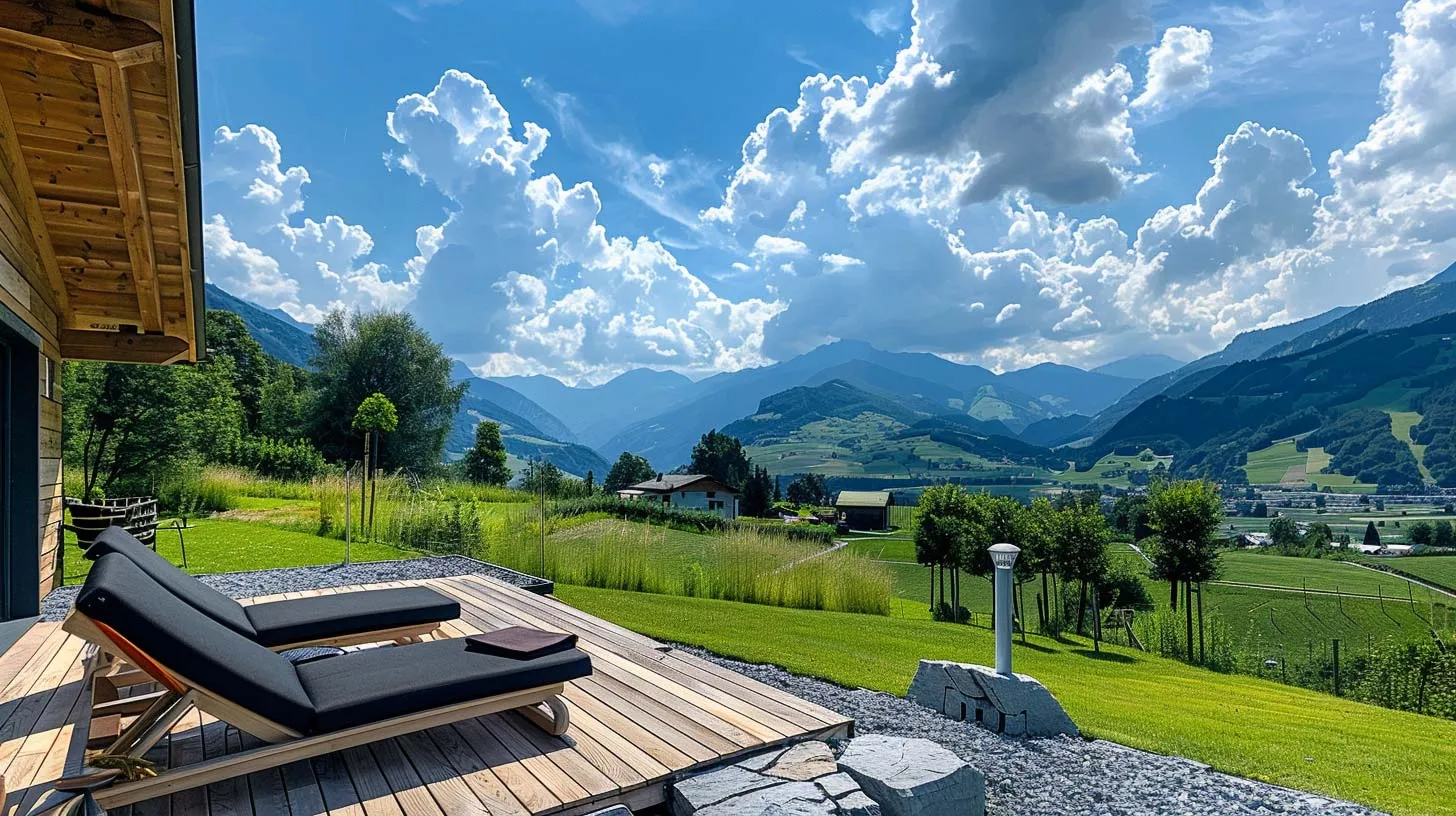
[520, 642]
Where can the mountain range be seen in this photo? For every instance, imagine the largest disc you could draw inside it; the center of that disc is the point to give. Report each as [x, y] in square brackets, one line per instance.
[849, 407]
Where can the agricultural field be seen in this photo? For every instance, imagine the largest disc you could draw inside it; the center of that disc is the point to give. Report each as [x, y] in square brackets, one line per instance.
[1112, 469]
[1352, 521]
[863, 446]
[1438, 569]
[1284, 463]
[1238, 724]
[1246, 567]
[1401, 423]
[1299, 621]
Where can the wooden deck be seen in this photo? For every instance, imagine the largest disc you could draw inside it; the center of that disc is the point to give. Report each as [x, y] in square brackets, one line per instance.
[646, 714]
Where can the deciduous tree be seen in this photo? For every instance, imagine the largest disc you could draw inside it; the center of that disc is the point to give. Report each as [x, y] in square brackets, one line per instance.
[720, 456]
[629, 469]
[386, 353]
[1185, 516]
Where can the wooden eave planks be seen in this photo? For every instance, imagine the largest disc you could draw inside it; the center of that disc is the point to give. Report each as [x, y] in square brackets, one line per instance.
[91, 94]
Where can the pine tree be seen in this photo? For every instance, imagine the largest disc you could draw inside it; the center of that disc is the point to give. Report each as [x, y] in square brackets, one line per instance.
[485, 463]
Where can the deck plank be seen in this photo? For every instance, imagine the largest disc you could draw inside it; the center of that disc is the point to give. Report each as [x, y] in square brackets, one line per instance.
[647, 713]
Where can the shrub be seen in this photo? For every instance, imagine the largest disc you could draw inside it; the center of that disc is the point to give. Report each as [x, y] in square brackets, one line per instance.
[277, 459]
[693, 521]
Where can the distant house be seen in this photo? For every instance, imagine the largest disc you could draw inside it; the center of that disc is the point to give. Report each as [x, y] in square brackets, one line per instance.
[865, 509]
[1252, 540]
[687, 492]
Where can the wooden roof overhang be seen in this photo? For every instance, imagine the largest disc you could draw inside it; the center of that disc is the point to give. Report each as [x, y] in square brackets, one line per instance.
[98, 130]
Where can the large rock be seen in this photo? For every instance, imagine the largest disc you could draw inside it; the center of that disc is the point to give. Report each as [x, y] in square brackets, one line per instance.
[796, 798]
[803, 762]
[914, 777]
[801, 780]
[1018, 705]
[695, 793]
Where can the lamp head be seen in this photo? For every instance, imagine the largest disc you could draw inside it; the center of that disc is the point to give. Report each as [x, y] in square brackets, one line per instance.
[1004, 555]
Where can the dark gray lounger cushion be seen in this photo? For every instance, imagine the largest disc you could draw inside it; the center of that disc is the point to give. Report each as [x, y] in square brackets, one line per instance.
[278, 623]
[200, 596]
[119, 594]
[376, 684]
[325, 616]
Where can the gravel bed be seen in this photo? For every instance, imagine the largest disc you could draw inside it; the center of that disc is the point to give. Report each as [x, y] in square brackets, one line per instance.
[1061, 776]
[299, 579]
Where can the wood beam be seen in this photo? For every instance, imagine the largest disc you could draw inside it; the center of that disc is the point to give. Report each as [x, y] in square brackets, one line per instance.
[136, 218]
[14, 160]
[147, 11]
[179, 173]
[122, 347]
[70, 30]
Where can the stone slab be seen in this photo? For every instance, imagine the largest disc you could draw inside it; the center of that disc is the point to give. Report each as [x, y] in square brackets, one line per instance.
[914, 777]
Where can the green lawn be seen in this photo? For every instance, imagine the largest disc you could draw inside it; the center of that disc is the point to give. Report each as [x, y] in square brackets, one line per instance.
[1393, 760]
[224, 545]
[884, 549]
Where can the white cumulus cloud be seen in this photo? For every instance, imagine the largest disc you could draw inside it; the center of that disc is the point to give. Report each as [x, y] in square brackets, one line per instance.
[1178, 68]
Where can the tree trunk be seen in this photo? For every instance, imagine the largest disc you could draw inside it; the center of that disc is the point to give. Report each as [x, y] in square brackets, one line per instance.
[942, 586]
[363, 488]
[1188, 611]
[1173, 594]
[932, 589]
[1081, 606]
[1201, 656]
[1042, 605]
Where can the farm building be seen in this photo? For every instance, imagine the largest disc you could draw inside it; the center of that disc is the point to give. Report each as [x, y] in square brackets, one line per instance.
[686, 492]
[865, 509]
[100, 234]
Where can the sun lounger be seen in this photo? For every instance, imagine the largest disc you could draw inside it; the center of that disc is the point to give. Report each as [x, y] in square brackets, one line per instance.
[368, 616]
[305, 710]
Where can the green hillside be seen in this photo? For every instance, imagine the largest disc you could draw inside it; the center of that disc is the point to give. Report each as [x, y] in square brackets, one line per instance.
[1340, 396]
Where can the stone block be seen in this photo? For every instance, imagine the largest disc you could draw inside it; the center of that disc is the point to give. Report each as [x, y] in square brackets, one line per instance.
[914, 777]
[695, 793]
[783, 799]
[803, 762]
[1018, 705]
[857, 804]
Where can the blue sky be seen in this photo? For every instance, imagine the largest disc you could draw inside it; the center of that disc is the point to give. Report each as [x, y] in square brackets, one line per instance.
[1012, 185]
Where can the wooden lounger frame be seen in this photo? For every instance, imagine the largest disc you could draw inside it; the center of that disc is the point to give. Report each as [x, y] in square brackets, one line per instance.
[286, 745]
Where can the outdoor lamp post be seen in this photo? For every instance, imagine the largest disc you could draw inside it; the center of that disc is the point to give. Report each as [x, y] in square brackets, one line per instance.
[1004, 557]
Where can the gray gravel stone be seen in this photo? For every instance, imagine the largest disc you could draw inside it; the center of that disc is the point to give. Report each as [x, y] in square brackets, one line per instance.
[298, 579]
[914, 777]
[1057, 776]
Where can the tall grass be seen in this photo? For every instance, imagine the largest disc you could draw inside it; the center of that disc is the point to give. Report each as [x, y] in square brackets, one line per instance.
[737, 565]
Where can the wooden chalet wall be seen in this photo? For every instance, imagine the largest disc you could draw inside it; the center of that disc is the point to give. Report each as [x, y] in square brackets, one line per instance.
[25, 292]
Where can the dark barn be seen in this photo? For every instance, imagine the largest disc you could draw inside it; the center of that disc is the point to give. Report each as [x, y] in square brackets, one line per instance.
[865, 509]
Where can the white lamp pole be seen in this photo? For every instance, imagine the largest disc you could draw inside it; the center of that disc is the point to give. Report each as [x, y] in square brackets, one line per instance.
[1004, 557]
